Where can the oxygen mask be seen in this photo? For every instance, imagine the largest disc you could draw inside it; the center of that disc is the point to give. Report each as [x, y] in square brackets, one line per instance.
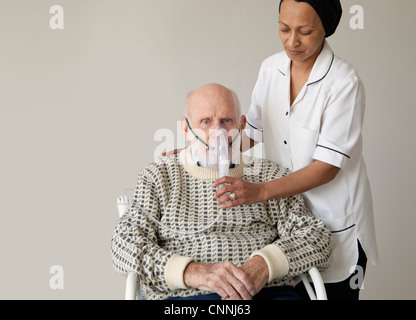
[217, 154]
[219, 150]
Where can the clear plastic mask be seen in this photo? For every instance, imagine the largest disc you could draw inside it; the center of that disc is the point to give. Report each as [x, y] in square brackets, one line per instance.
[219, 150]
[218, 153]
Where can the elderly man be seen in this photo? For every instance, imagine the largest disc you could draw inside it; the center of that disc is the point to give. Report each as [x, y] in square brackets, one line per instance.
[180, 243]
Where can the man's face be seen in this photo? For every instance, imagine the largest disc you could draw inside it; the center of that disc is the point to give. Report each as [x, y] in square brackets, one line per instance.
[211, 108]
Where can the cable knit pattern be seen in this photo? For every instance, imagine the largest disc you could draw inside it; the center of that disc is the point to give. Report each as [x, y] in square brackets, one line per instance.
[179, 194]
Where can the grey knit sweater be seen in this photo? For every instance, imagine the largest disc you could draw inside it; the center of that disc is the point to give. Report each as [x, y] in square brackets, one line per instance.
[179, 194]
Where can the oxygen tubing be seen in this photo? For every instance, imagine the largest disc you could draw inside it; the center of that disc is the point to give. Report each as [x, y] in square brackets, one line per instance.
[218, 150]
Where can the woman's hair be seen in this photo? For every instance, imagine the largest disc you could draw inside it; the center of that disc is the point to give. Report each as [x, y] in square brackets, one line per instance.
[329, 11]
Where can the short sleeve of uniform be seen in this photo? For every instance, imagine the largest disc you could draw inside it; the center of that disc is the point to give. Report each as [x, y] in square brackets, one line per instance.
[342, 123]
[254, 128]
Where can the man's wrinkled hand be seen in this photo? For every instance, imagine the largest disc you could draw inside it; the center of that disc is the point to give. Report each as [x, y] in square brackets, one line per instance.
[225, 279]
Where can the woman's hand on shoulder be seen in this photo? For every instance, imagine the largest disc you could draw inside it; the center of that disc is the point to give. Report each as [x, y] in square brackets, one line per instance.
[169, 153]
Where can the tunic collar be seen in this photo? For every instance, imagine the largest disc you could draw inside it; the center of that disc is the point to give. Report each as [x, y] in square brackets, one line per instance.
[320, 69]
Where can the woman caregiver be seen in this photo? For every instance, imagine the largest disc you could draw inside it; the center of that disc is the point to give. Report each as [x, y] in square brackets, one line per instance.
[308, 107]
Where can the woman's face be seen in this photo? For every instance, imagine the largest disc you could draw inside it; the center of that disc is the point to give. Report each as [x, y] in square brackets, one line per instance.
[301, 31]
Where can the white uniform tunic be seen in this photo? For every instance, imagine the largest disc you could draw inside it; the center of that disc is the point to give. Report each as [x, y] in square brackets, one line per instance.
[324, 123]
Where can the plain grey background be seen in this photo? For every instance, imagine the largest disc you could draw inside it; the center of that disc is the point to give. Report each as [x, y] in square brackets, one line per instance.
[79, 109]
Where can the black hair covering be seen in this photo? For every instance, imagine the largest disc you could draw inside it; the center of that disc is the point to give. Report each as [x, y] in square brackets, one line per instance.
[329, 11]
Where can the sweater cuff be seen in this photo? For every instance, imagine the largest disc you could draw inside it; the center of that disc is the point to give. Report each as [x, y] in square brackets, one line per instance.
[276, 261]
[174, 270]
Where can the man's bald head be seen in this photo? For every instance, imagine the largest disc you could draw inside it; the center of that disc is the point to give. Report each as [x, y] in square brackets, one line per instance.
[215, 96]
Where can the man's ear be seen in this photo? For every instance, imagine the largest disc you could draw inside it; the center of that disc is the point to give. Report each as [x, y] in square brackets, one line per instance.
[243, 122]
[184, 126]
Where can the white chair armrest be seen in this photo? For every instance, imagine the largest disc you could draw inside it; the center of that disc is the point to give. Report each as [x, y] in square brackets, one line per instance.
[133, 291]
[123, 203]
[318, 284]
[131, 286]
[320, 292]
